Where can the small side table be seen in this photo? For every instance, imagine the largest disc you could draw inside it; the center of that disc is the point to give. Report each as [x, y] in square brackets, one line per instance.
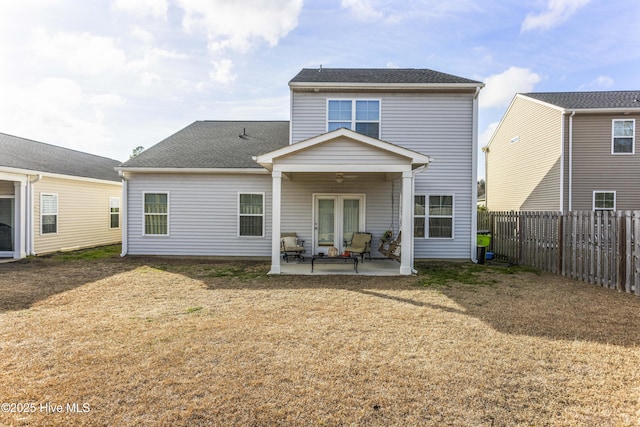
[334, 260]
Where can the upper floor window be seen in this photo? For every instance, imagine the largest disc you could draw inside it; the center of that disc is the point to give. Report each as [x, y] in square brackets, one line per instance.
[361, 115]
[623, 137]
[604, 200]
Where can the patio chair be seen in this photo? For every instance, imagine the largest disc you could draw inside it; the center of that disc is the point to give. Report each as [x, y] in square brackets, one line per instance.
[291, 246]
[360, 244]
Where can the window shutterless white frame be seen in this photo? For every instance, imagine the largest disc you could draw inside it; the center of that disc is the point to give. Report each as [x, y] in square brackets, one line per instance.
[48, 207]
[114, 203]
[601, 208]
[429, 216]
[632, 136]
[245, 214]
[353, 121]
[145, 214]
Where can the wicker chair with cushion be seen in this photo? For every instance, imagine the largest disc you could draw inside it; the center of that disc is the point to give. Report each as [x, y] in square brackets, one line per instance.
[360, 244]
[291, 246]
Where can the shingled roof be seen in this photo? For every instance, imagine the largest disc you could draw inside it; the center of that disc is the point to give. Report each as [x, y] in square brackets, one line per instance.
[378, 76]
[26, 154]
[215, 144]
[588, 100]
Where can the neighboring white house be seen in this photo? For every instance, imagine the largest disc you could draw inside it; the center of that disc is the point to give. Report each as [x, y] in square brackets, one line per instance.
[365, 150]
[55, 199]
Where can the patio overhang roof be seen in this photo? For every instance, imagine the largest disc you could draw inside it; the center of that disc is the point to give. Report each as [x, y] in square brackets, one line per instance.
[401, 159]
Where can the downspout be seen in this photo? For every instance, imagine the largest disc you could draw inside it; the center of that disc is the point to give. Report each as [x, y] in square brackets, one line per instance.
[30, 216]
[571, 160]
[125, 225]
[474, 178]
[413, 205]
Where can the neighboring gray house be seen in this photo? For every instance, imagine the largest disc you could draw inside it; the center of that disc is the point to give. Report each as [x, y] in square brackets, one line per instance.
[365, 150]
[565, 151]
[55, 199]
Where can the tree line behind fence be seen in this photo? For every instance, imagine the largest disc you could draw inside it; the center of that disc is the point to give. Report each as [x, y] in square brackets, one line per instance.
[598, 247]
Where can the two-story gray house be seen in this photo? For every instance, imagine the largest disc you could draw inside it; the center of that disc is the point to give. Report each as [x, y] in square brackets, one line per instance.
[565, 151]
[365, 150]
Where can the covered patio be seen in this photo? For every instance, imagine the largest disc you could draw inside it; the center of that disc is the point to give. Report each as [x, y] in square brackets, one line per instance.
[298, 171]
[373, 267]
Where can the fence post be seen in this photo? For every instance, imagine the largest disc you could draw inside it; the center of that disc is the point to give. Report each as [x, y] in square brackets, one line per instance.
[622, 254]
[560, 247]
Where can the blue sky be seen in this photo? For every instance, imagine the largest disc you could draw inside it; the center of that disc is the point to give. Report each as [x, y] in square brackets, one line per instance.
[105, 76]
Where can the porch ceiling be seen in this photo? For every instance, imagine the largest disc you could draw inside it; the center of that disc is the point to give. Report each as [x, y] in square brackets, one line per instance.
[341, 177]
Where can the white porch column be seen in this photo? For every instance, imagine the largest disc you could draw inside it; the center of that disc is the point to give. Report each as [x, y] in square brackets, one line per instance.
[20, 218]
[407, 223]
[276, 188]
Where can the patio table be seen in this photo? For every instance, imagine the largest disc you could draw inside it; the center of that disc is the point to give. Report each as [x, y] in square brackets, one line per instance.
[334, 260]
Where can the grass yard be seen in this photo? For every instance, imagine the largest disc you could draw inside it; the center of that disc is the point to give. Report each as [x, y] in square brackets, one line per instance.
[152, 341]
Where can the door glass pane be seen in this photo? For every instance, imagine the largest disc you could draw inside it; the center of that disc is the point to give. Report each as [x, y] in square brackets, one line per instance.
[350, 218]
[6, 225]
[326, 221]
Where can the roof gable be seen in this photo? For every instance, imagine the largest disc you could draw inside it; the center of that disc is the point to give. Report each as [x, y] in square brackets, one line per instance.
[26, 154]
[411, 157]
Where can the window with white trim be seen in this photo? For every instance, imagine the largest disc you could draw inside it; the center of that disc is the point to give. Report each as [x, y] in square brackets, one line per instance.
[433, 216]
[604, 200]
[251, 214]
[623, 136]
[114, 212]
[48, 213]
[360, 115]
[156, 214]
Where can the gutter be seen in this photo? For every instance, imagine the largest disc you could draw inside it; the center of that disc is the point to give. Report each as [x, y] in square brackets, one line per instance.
[125, 225]
[30, 217]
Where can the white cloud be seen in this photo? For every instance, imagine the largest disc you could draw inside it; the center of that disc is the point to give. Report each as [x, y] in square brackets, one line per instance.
[142, 35]
[486, 134]
[55, 111]
[557, 12]
[107, 100]
[238, 26]
[79, 52]
[363, 10]
[141, 8]
[501, 88]
[222, 71]
[601, 82]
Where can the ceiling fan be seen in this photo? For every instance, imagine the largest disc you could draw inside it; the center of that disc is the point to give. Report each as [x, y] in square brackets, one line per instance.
[341, 176]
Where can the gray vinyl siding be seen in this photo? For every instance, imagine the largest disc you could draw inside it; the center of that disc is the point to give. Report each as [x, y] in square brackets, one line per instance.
[525, 175]
[343, 151]
[438, 125]
[203, 215]
[595, 168]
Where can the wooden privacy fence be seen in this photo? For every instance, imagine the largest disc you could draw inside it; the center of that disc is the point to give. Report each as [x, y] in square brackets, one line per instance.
[598, 247]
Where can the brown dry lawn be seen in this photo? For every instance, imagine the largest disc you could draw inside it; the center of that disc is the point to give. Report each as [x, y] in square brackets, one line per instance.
[200, 342]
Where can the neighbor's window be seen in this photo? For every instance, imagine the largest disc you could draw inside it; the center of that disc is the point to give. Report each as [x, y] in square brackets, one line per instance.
[114, 212]
[156, 214]
[48, 213]
[440, 215]
[361, 115]
[623, 138]
[251, 214]
[419, 216]
[604, 200]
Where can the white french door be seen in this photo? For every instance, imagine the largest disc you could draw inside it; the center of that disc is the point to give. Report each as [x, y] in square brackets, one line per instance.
[336, 218]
